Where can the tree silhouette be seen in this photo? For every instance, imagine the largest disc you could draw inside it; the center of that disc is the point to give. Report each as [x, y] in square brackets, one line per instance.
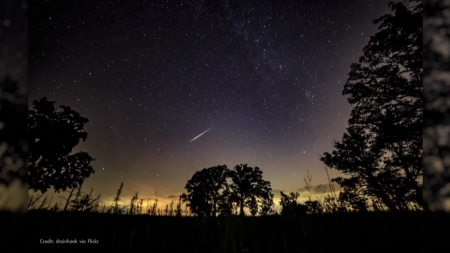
[52, 136]
[267, 206]
[314, 207]
[290, 206]
[220, 191]
[382, 149]
[437, 92]
[228, 203]
[13, 143]
[249, 189]
[205, 191]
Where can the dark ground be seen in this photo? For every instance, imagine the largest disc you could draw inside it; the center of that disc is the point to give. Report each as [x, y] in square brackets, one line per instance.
[350, 232]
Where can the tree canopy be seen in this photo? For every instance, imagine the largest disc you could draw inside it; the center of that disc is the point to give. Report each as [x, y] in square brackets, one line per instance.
[381, 153]
[290, 206]
[249, 188]
[52, 136]
[219, 191]
[205, 190]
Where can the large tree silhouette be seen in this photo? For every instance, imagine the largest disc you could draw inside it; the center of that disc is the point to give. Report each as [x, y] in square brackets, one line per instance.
[249, 189]
[207, 191]
[13, 143]
[220, 191]
[381, 153]
[437, 93]
[52, 136]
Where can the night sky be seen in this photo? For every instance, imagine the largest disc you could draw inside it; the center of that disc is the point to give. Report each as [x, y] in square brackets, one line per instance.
[266, 79]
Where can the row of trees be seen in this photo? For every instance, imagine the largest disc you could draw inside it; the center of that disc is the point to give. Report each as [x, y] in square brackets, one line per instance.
[88, 202]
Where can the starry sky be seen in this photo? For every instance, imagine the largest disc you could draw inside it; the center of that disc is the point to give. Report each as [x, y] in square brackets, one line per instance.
[264, 78]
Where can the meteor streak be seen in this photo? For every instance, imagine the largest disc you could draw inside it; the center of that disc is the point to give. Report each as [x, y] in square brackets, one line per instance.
[200, 135]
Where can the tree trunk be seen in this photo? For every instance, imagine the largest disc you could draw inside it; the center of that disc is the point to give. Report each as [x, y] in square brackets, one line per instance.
[242, 206]
[412, 183]
[382, 194]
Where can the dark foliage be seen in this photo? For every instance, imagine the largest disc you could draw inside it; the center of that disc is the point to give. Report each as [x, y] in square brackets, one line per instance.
[314, 207]
[290, 206]
[220, 191]
[85, 202]
[381, 153]
[205, 191]
[13, 143]
[52, 136]
[249, 189]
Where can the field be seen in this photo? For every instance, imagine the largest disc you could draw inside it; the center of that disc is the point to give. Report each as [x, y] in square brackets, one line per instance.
[347, 232]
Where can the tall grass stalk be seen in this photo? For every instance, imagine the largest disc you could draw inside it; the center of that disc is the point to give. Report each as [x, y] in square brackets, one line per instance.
[68, 199]
[41, 206]
[329, 182]
[32, 200]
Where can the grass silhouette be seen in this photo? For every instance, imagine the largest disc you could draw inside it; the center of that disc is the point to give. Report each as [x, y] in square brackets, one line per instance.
[136, 229]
